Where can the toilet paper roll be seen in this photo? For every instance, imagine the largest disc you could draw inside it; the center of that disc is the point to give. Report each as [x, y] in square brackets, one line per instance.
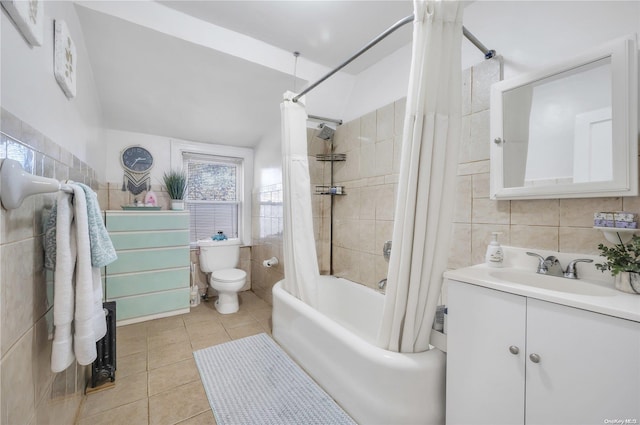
[270, 262]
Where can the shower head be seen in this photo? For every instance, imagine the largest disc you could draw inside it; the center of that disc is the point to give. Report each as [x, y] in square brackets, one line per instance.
[326, 132]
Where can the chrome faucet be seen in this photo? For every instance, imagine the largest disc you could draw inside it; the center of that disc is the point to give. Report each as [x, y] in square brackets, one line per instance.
[572, 271]
[551, 266]
[382, 284]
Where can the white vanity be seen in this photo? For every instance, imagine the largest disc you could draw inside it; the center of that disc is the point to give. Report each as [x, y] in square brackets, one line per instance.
[524, 348]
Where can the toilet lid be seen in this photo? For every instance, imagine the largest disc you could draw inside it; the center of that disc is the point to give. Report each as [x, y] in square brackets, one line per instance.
[229, 275]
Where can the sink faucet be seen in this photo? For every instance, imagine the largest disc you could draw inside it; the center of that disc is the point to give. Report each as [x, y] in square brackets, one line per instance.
[572, 272]
[551, 266]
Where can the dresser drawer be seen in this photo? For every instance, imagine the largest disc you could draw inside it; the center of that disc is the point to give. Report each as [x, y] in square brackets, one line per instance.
[137, 260]
[148, 304]
[136, 221]
[123, 285]
[149, 239]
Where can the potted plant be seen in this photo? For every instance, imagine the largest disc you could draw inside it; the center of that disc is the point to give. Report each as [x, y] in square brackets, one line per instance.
[176, 184]
[623, 260]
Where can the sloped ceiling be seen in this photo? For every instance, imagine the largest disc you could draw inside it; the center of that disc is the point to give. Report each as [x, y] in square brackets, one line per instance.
[150, 81]
[326, 32]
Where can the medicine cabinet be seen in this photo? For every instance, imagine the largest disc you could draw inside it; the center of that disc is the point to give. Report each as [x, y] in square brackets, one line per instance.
[568, 131]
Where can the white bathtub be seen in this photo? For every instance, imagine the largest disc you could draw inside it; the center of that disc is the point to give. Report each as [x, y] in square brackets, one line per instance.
[336, 346]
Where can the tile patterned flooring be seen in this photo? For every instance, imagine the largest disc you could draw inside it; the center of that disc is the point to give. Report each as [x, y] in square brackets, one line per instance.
[157, 381]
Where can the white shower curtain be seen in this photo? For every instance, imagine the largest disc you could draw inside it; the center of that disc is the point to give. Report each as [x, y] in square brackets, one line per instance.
[426, 186]
[300, 260]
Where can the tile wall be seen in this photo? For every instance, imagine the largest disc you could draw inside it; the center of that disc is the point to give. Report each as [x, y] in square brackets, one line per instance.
[266, 225]
[563, 225]
[29, 392]
[363, 218]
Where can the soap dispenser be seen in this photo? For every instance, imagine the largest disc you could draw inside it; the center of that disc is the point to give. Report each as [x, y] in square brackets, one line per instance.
[495, 255]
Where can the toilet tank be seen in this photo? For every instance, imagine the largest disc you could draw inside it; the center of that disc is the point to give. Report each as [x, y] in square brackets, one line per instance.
[218, 255]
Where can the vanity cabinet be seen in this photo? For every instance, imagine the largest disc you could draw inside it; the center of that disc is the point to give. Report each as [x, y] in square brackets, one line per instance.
[513, 359]
[150, 278]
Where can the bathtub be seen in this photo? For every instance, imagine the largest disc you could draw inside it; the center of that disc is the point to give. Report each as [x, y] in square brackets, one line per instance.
[336, 346]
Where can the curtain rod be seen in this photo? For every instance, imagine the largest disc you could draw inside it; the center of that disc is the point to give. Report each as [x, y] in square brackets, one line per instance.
[324, 119]
[488, 54]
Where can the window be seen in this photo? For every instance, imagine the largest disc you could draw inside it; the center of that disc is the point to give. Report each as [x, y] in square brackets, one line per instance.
[214, 194]
[183, 152]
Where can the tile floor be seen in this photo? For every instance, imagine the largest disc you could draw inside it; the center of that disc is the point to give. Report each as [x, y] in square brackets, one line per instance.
[157, 381]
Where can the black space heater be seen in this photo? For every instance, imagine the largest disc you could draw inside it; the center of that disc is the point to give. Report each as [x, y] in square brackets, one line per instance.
[103, 368]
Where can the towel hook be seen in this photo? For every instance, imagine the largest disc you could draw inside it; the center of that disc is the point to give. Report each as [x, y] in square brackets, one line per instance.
[16, 184]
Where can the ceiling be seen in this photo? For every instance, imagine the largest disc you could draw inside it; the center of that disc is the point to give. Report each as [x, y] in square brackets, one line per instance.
[151, 81]
[325, 32]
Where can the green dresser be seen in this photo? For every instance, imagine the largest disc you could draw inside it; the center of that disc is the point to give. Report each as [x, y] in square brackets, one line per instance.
[150, 278]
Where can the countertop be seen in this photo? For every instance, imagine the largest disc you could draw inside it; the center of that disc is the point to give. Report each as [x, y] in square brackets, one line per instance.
[605, 300]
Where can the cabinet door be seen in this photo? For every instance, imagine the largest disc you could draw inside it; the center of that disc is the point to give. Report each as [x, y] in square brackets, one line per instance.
[588, 370]
[485, 380]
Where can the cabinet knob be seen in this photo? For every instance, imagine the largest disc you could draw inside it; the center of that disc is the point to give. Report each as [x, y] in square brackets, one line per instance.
[534, 358]
[514, 350]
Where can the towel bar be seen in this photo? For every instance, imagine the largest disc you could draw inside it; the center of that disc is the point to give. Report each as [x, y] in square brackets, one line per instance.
[16, 184]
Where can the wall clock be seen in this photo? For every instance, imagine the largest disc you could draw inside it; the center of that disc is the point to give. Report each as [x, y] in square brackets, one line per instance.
[137, 162]
[136, 159]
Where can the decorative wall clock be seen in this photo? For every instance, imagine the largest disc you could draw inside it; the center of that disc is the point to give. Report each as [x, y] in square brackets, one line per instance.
[137, 163]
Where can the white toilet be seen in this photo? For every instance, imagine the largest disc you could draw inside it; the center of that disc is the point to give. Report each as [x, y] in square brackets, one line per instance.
[219, 259]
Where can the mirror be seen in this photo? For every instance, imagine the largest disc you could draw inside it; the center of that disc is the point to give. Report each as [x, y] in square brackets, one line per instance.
[569, 131]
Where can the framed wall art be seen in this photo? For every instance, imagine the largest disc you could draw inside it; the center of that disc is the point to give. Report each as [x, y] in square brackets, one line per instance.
[64, 59]
[28, 15]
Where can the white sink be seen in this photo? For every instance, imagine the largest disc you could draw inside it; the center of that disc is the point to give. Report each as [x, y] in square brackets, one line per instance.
[552, 283]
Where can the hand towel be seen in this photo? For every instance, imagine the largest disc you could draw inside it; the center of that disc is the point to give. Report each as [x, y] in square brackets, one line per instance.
[89, 320]
[63, 302]
[102, 250]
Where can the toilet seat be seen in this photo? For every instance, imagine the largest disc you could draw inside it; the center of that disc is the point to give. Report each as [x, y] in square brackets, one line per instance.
[228, 275]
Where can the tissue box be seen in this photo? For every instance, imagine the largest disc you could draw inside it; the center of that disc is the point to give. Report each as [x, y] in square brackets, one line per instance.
[624, 216]
[626, 224]
[619, 219]
[603, 223]
[603, 216]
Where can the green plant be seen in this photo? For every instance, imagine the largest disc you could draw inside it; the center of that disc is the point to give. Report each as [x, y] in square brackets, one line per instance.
[621, 257]
[176, 184]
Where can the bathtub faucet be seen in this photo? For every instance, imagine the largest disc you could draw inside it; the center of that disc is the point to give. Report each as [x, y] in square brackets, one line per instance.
[382, 284]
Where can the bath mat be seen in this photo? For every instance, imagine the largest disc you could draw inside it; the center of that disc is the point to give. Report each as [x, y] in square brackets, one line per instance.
[253, 381]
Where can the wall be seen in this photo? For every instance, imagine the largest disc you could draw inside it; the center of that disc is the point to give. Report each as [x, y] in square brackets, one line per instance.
[528, 34]
[167, 154]
[267, 225]
[31, 93]
[30, 393]
[560, 225]
[564, 225]
[55, 137]
[363, 217]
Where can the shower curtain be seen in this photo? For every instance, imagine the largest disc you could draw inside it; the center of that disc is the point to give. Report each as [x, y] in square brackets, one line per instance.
[300, 261]
[424, 205]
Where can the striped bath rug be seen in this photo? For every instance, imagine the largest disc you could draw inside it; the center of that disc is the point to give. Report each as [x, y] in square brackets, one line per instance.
[253, 381]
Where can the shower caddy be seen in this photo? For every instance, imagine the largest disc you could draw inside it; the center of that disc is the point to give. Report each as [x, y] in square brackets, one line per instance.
[331, 190]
